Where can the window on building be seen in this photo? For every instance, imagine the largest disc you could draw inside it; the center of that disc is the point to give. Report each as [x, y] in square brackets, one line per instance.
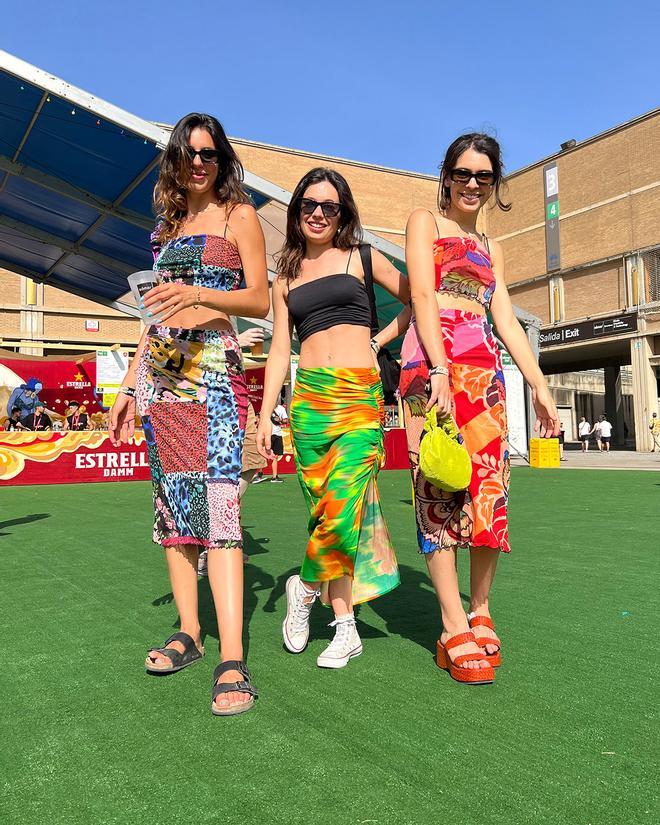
[651, 265]
[556, 287]
[634, 281]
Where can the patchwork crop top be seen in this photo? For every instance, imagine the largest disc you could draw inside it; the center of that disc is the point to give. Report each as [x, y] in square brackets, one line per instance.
[463, 268]
[204, 260]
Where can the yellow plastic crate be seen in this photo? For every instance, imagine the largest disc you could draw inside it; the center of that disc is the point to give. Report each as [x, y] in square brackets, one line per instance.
[544, 452]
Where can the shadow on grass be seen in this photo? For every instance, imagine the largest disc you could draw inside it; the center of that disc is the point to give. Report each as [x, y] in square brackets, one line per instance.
[25, 520]
[321, 615]
[412, 611]
[255, 579]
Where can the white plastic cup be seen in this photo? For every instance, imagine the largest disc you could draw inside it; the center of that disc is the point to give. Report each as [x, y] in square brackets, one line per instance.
[140, 283]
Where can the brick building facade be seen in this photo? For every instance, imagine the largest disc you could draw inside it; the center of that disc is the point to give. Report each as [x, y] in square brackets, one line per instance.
[601, 307]
[609, 195]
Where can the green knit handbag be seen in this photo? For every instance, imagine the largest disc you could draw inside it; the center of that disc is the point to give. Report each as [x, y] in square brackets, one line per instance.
[443, 459]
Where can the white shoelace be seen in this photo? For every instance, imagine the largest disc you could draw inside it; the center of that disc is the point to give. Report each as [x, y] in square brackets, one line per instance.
[343, 632]
[302, 609]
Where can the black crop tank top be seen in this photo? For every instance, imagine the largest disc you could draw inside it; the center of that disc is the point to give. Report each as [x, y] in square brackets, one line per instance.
[327, 302]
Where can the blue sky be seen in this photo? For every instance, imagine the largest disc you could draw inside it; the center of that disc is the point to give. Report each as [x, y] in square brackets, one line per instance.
[384, 82]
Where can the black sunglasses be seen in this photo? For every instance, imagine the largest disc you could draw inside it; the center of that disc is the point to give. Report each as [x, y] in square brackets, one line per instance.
[205, 155]
[465, 176]
[330, 209]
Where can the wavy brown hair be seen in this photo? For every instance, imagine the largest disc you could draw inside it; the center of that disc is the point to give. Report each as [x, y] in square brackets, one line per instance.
[349, 234]
[170, 192]
[486, 145]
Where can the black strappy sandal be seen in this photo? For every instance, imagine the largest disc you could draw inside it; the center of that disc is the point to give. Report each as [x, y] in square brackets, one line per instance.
[245, 686]
[190, 655]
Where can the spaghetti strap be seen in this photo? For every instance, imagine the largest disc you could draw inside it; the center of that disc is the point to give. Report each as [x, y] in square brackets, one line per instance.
[348, 263]
[437, 228]
[486, 244]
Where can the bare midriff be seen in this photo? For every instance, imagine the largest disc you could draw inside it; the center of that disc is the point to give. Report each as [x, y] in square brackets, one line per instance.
[344, 345]
[201, 318]
[447, 301]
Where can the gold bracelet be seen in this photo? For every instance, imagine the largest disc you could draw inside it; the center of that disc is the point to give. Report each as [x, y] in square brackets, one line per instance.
[198, 301]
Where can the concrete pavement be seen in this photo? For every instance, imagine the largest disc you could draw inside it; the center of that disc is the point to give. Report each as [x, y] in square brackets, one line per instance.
[614, 460]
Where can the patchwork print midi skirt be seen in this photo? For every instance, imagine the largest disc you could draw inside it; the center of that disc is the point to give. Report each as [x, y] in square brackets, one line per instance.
[336, 422]
[476, 517]
[192, 397]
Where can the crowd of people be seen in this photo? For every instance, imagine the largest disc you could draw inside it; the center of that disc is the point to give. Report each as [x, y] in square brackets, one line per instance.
[75, 419]
[188, 386]
[601, 431]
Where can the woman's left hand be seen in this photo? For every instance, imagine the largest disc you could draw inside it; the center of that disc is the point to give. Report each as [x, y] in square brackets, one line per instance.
[547, 417]
[166, 300]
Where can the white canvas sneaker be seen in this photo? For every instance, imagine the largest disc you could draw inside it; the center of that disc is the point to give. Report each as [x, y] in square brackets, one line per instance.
[295, 628]
[344, 646]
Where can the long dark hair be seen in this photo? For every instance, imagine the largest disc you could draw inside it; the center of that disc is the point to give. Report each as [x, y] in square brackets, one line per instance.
[485, 144]
[348, 235]
[170, 201]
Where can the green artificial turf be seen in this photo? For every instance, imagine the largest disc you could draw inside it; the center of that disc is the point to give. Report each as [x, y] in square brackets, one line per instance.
[566, 735]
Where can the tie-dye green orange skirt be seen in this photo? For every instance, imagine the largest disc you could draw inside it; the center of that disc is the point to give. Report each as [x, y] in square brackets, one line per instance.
[336, 423]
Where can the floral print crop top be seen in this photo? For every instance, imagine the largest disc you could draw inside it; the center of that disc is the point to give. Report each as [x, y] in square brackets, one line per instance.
[463, 268]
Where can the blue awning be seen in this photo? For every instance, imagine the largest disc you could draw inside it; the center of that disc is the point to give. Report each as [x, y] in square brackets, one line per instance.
[76, 181]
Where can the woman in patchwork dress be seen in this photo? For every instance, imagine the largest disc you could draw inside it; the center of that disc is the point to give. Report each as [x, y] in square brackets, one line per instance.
[188, 385]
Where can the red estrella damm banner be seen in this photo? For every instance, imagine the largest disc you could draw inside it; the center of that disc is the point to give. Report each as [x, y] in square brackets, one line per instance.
[70, 458]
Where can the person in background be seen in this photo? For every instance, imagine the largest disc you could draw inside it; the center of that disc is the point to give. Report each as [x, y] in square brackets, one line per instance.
[596, 431]
[605, 434]
[584, 431]
[561, 437]
[14, 421]
[39, 420]
[278, 418]
[654, 426]
[25, 397]
[77, 420]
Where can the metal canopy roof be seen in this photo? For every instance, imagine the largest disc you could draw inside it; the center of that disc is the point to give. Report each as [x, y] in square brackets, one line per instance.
[76, 182]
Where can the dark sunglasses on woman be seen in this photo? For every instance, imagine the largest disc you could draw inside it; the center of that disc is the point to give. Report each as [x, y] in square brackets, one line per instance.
[330, 209]
[465, 176]
[205, 155]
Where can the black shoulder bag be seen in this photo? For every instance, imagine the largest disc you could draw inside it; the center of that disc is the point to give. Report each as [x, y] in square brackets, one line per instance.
[390, 369]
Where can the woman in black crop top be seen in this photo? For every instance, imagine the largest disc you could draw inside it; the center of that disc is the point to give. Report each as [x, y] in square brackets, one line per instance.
[337, 407]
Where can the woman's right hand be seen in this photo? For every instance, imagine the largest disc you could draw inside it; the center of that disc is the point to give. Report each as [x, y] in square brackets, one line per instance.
[440, 395]
[121, 423]
[264, 433]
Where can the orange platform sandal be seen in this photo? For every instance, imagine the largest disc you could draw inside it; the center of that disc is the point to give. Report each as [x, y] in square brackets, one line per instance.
[494, 659]
[467, 675]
